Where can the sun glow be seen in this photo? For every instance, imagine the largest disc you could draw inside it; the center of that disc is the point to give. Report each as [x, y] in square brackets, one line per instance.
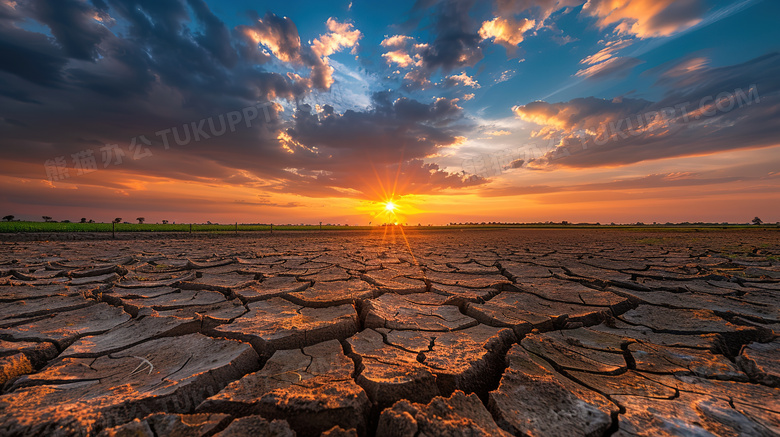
[390, 210]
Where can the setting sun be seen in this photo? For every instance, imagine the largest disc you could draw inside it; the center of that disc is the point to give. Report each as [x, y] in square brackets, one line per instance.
[390, 207]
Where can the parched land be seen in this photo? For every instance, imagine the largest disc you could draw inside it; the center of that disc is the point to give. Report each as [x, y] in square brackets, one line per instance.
[468, 332]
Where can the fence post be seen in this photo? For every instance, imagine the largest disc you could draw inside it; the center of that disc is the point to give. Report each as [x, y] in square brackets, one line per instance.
[236, 228]
[190, 228]
[113, 231]
[320, 225]
[272, 228]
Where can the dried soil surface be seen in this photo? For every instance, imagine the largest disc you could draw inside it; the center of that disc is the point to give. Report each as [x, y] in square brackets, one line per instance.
[459, 333]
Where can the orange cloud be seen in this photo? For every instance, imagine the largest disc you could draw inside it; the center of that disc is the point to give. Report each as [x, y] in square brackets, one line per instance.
[285, 46]
[539, 9]
[341, 35]
[645, 18]
[506, 31]
[686, 67]
[280, 36]
[462, 79]
[405, 56]
[400, 58]
[607, 52]
[604, 62]
[617, 66]
[396, 41]
[418, 78]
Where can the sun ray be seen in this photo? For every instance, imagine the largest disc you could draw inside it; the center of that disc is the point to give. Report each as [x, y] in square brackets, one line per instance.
[408, 246]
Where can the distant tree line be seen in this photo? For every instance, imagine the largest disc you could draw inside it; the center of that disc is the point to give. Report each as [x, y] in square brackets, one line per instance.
[756, 221]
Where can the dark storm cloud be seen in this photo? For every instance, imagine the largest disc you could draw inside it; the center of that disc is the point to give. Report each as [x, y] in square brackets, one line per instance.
[457, 41]
[175, 63]
[764, 71]
[30, 56]
[420, 177]
[352, 154]
[454, 43]
[364, 179]
[389, 132]
[191, 57]
[580, 113]
[100, 5]
[706, 110]
[164, 43]
[359, 150]
[72, 24]
[216, 37]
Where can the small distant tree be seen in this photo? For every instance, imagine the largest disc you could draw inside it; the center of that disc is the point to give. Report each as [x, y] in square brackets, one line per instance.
[8, 218]
[140, 220]
[757, 221]
[118, 219]
[83, 220]
[91, 221]
[165, 222]
[46, 218]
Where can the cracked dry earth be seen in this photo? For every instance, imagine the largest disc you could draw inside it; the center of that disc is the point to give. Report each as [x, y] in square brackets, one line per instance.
[506, 332]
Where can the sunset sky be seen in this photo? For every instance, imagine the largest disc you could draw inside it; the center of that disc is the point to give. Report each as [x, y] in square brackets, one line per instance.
[302, 111]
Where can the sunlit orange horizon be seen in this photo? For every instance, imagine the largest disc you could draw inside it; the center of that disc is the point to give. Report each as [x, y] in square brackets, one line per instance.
[568, 197]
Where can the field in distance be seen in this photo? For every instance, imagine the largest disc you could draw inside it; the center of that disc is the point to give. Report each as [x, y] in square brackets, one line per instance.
[29, 226]
[21, 226]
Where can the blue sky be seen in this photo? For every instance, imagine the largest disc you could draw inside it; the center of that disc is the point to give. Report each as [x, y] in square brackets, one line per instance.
[731, 32]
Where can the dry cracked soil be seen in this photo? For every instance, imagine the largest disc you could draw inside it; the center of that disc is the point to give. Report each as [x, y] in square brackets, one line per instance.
[457, 333]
